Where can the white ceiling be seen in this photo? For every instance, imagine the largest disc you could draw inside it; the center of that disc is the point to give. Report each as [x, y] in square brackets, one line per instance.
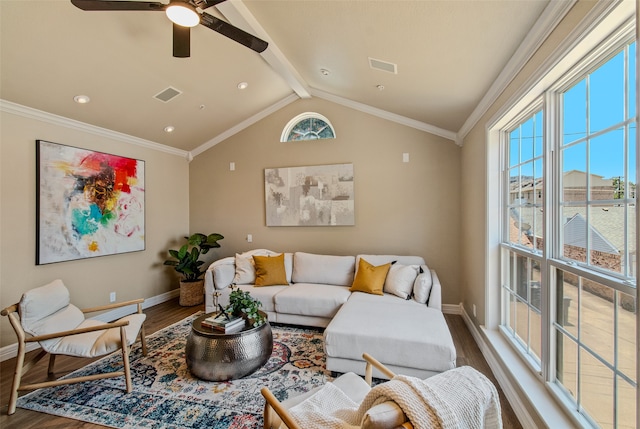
[448, 55]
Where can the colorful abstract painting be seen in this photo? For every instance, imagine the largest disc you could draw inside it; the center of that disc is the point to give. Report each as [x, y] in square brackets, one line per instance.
[88, 203]
[320, 195]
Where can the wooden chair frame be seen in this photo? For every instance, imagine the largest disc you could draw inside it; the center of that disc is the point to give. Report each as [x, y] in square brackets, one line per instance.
[22, 367]
[273, 405]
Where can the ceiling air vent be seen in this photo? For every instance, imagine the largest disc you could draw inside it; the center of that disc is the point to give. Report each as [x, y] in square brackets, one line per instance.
[167, 95]
[383, 65]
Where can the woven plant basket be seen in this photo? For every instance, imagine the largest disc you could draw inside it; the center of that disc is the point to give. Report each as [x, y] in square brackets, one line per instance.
[191, 293]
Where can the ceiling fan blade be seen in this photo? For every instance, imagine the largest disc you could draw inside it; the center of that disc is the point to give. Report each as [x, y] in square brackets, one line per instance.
[203, 4]
[181, 41]
[233, 33]
[117, 5]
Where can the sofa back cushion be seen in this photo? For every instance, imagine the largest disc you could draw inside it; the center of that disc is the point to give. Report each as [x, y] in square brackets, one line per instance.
[384, 259]
[323, 269]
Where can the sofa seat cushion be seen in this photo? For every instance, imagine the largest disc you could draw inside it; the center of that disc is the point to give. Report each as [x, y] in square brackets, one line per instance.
[264, 294]
[396, 331]
[311, 299]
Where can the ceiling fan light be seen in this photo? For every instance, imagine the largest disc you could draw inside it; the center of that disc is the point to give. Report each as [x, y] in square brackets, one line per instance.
[183, 14]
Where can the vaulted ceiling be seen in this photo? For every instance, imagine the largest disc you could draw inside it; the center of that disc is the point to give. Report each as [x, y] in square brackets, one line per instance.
[448, 54]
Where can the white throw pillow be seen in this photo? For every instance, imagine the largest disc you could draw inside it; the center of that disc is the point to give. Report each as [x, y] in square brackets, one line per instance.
[422, 286]
[400, 280]
[245, 268]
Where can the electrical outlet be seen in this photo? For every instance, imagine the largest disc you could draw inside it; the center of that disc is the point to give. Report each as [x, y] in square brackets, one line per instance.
[405, 157]
[249, 238]
[232, 166]
[112, 297]
[474, 310]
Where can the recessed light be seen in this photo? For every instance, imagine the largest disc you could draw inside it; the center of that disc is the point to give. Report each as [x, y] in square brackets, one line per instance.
[243, 85]
[380, 87]
[325, 72]
[81, 99]
[169, 129]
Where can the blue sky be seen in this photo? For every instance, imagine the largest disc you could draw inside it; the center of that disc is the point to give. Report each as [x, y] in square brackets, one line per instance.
[598, 102]
[604, 89]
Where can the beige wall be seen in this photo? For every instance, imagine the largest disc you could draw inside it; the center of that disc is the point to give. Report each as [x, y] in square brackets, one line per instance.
[131, 275]
[474, 174]
[400, 208]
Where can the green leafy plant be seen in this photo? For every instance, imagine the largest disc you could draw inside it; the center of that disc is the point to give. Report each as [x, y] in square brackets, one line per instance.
[186, 260]
[242, 303]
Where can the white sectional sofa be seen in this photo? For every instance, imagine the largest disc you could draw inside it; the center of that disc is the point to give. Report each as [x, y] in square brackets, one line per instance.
[403, 326]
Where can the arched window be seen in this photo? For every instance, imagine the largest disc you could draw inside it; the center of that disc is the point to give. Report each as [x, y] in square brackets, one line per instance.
[308, 126]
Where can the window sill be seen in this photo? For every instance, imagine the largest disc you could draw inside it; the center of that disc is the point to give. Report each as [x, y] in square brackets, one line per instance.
[530, 398]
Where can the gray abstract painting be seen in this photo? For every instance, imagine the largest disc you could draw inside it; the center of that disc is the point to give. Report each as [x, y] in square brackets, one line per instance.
[320, 195]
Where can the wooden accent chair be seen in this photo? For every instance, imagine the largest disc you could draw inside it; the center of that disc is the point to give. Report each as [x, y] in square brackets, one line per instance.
[45, 315]
[276, 412]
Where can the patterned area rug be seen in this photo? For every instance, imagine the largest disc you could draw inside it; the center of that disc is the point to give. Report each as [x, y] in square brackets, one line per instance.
[166, 395]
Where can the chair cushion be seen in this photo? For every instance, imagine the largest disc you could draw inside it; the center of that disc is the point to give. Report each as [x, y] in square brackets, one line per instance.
[384, 416]
[270, 270]
[43, 301]
[351, 384]
[97, 343]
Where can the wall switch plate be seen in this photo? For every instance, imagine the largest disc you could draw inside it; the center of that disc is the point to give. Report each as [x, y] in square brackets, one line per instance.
[474, 310]
[405, 157]
[232, 166]
[112, 297]
[249, 238]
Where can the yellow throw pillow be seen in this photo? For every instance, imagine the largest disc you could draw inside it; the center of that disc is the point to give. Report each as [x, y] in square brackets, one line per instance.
[370, 279]
[270, 270]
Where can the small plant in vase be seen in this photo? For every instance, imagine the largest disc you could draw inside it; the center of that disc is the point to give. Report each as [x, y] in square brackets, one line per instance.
[241, 303]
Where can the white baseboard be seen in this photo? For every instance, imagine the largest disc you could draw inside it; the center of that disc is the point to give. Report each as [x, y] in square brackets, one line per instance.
[507, 387]
[452, 308]
[10, 351]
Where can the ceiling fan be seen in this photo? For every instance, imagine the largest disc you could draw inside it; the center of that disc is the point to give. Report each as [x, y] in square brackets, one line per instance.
[184, 14]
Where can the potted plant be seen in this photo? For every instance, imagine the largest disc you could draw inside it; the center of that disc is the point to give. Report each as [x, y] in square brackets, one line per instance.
[186, 261]
[241, 303]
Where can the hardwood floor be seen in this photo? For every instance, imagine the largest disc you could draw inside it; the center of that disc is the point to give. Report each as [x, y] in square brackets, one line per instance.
[170, 312]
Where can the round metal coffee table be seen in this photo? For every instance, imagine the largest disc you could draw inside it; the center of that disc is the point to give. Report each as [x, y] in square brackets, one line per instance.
[215, 356]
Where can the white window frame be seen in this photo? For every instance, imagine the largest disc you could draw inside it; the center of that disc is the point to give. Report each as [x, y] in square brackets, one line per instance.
[585, 39]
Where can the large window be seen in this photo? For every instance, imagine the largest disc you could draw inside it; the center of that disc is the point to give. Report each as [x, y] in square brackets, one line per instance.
[568, 236]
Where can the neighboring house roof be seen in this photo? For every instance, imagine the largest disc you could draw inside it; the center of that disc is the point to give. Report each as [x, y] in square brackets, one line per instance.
[574, 235]
[606, 222]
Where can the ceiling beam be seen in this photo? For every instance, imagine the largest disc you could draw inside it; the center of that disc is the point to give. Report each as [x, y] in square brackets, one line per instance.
[237, 13]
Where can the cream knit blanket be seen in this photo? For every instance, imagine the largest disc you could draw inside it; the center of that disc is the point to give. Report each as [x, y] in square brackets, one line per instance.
[459, 398]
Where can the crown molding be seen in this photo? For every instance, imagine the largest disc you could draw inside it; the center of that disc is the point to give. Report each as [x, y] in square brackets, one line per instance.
[40, 115]
[546, 23]
[403, 120]
[244, 124]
